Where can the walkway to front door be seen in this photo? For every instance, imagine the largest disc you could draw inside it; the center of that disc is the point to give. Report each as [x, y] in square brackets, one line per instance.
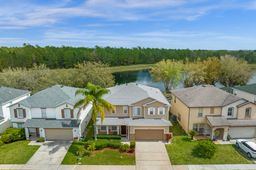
[152, 155]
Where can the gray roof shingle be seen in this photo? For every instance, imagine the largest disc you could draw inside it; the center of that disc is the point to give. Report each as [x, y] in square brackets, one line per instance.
[52, 123]
[204, 96]
[250, 88]
[52, 97]
[7, 94]
[222, 121]
[127, 94]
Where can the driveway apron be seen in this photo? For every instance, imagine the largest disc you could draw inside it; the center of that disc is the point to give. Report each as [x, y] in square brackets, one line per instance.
[152, 156]
[50, 153]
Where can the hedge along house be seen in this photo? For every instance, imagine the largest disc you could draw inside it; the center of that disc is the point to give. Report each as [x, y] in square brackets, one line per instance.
[141, 113]
[213, 112]
[9, 96]
[50, 113]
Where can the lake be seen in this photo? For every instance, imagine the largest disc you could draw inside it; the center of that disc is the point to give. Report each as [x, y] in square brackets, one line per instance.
[144, 77]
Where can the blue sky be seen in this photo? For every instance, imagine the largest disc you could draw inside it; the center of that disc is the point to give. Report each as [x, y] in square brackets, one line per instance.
[193, 24]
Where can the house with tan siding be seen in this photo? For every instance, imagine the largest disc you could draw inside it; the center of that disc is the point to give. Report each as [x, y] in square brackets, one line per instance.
[213, 112]
[141, 113]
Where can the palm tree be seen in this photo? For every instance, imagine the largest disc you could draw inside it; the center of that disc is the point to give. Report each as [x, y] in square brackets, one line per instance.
[93, 94]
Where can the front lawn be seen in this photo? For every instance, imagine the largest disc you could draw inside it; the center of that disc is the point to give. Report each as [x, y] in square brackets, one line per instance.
[105, 156]
[180, 153]
[17, 152]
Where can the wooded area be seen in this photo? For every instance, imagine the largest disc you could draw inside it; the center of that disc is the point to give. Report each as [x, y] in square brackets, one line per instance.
[67, 57]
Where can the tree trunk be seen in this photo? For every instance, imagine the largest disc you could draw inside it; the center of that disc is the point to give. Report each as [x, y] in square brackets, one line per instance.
[94, 132]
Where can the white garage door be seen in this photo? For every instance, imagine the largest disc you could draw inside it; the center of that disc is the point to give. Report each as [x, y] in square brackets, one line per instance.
[242, 132]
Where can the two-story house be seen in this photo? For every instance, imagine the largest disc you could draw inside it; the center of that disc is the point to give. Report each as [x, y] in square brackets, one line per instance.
[9, 96]
[141, 113]
[213, 112]
[50, 113]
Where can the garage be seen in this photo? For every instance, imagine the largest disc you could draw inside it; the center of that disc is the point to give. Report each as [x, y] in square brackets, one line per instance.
[59, 134]
[149, 134]
[242, 132]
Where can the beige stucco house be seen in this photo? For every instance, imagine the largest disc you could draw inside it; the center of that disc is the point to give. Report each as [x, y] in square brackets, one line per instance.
[141, 113]
[207, 109]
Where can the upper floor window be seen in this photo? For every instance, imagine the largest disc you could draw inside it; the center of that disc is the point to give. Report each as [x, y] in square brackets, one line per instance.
[200, 112]
[125, 109]
[67, 113]
[136, 111]
[248, 112]
[161, 110]
[212, 110]
[230, 111]
[20, 113]
[151, 111]
[43, 111]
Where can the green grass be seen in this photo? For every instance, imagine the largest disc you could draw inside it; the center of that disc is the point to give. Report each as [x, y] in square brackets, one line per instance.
[176, 129]
[136, 67]
[102, 157]
[17, 152]
[180, 153]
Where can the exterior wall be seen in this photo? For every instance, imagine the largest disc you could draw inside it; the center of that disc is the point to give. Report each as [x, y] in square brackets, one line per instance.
[5, 106]
[248, 96]
[180, 108]
[140, 104]
[194, 119]
[241, 111]
[17, 120]
[76, 133]
[42, 132]
[85, 116]
[118, 112]
[4, 125]
[64, 106]
[225, 109]
[156, 105]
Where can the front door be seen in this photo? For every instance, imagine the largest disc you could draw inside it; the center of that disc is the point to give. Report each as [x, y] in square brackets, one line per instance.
[123, 130]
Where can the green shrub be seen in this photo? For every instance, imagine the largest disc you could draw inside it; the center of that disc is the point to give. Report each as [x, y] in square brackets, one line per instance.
[132, 145]
[1, 143]
[204, 149]
[192, 133]
[80, 152]
[109, 137]
[13, 134]
[101, 144]
[87, 153]
[124, 147]
[41, 139]
[91, 147]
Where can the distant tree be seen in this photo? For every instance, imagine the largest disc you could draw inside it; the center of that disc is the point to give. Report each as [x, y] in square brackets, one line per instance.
[234, 71]
[169, 72]
[212, 70]
[93, 94]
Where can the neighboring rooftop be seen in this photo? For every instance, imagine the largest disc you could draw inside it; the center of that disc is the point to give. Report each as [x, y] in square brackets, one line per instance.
[52, 123]
[204, 96]
[7, 94]
[52, 97]
[127, 94]
[250, 88]
[222, 121]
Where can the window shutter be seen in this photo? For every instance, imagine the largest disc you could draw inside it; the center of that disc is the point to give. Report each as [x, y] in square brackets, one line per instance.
[62, 113]
[24, 113]
[15, 113]
[72, 113]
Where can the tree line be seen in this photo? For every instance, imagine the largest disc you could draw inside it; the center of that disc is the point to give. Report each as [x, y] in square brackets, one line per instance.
[227, 70]
[68, 57]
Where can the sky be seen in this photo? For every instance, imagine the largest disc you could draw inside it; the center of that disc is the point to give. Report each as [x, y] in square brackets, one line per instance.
[190, 24]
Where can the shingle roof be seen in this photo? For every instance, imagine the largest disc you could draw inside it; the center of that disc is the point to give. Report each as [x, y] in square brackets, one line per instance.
[7, 94]
[250, 88]
[222, 121]
[133, 122]
[52, 97]
[127, 94]
[52, 123]
[204, 96]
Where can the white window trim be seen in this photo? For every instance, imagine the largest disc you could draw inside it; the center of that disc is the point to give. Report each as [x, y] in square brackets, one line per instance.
[18, 113]
[233, 110]
[125, 108]
[67, 117]
[136, 107]
[151, 109]
[163, 109]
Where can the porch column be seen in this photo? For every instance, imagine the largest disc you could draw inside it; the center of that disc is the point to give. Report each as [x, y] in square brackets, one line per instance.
[97, 130]
[27, 133]
[118, 130]
[212, 134]
[225, 133]
[107, 130]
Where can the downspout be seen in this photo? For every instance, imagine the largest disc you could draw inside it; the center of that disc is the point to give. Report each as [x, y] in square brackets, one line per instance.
[188, 117]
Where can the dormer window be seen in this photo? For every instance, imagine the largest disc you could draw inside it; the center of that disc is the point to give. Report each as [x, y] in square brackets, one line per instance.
[67, 113]
[230, 111]
[248, 112]
[125, 109]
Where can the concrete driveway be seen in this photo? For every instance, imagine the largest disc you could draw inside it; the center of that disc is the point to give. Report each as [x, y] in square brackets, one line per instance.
[50, 153]
[152, 156]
